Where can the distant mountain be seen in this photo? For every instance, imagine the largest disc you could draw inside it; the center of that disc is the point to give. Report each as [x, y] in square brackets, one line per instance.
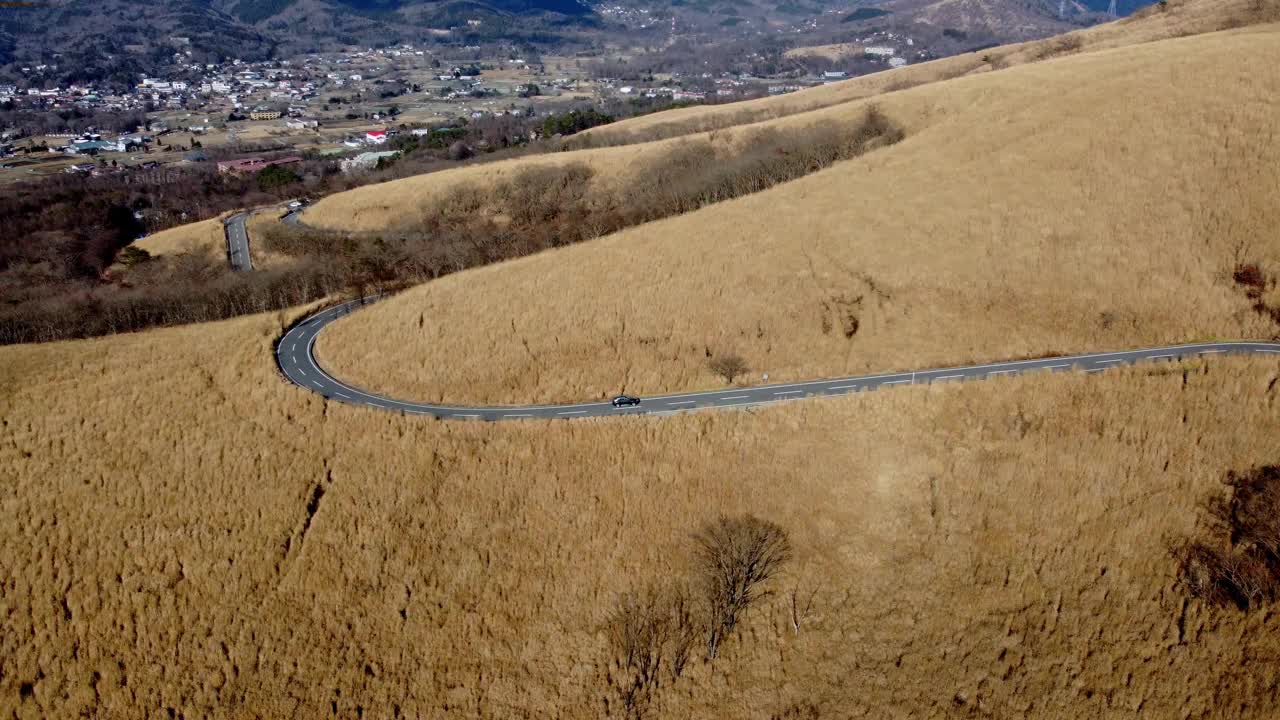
[90, 31]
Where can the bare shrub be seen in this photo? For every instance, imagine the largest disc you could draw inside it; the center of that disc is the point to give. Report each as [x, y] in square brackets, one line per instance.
[1239, 562]
[692, 173]
[460, 151]
[728, 366]
[1251, 277]
[735, 557]
[651, 634]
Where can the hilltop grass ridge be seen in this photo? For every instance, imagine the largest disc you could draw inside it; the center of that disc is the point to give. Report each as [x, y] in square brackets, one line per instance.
[1161, 21]
[1097, 201]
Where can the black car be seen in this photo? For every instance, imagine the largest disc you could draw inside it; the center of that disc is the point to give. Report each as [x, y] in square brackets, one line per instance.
[625, 401]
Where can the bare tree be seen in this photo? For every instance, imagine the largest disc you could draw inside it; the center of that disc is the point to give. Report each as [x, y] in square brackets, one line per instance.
[1238, 561]
[735, 557]
[801, 602]
[651, 634]
[728, 366]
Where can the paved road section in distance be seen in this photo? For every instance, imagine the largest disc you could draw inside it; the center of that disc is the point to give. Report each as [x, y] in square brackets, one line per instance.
[238, 243]
[295, 354]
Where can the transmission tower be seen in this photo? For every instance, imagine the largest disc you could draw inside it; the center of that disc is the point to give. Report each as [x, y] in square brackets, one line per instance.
[1062, 9]
[1111, 10]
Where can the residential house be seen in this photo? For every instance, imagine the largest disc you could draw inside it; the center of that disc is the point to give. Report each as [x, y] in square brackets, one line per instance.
[376, 137]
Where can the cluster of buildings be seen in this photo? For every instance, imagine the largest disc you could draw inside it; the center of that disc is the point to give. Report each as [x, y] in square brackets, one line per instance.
[93, 143]
[372, 137]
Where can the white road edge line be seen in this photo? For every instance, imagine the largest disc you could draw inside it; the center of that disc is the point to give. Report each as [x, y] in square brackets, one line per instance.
[572, 412]
[682, 402]
[733, 397]
[789, 392]
[948, 377]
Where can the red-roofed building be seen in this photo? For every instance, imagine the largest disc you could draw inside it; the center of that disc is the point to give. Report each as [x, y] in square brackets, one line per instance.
[376, 137]
[246, 165]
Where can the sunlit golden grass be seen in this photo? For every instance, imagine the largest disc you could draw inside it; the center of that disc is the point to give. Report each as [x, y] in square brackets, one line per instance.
[204, 236]
[1176, 18]
[993, 547]
[394, 203]
[1089, 203]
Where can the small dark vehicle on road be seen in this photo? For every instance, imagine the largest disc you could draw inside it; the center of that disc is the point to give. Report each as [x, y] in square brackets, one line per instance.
[625, 401]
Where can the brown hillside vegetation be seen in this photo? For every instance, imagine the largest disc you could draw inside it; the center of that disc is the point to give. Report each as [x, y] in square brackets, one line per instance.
[1093, 202]
[185, 535]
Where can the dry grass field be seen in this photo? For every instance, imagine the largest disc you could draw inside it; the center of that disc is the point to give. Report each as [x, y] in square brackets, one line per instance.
[390, 204]
[836, 51]
[204, 236]
[185, 535]
[1099, 201]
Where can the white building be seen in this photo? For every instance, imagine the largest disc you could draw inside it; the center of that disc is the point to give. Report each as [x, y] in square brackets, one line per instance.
[881, 50]
[897, 62]
[365, 161]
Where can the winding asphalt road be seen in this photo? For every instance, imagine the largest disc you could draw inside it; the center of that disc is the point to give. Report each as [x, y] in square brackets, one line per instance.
[238, 242]
[295, 354]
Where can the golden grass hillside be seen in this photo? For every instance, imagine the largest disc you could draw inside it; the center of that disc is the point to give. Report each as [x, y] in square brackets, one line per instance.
[834, 51]
[185, 535]
[205, 236]
[388, 205]
[1175, 18]
[1094, 202]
